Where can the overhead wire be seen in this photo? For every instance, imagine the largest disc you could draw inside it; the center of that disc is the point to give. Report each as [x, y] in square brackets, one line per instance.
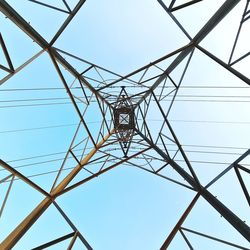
[37, 128]
[93, 100]
[62, 88]
[64, 152]
[96, 122]
[68, 125]
[69, 168]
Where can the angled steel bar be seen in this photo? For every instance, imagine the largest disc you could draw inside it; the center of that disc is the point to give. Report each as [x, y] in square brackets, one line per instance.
[177, 141]
[24, 226]
[67, 21]
[175, 230]
[23, 178]
[72, 242]
[84, 93]
[99, 173]
[223, 64]
[165, 147]
[79, 162]
[243, 186]
[172, 4]
[72, 98]
[228, 168]
[86, 70]
[21, 67]
[186, 240]
[163, 176]
[215, 239]
[5, 178]
[65, 158]
[49, 6]
[180, 82]
[83, 240]
[6, 196]
[144, 73]
[174, 18]
[103, 113]
[87, 62]
[143, 112]
[66, 4]
[146, 66]
[78, 168]
[162, 89]
[6, 54]
[163, 135]
[243, 168]
[181, 6]
[98, 158]
[207, 28]
[148, 162]
[54, 242]
[150, 79]
[176, 91]
[13, 237]
[234, 220]
[238, 34]
[9, 12]
[6, 69]
[144, 123]
[105, 161]
[240, 58]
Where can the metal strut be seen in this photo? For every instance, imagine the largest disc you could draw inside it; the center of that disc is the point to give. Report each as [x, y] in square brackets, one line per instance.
[234, 220]
[24, 226]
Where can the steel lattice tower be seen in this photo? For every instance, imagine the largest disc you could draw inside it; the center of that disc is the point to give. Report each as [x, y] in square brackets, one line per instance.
[126, 136]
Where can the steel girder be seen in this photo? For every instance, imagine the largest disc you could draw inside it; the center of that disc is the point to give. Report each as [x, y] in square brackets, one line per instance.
[236, 222]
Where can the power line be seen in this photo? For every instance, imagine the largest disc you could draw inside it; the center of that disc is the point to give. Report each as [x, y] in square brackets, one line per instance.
[164, 100]
[32, 89]
[213, 96]
[62, 88]
[192, 161]
[34, 105]
[214, 87]
[213, 146]
[219, 101]
[37, 128]
[92, 122]
[179, 95]
[207, 121]
[64, 152]
[36, 99]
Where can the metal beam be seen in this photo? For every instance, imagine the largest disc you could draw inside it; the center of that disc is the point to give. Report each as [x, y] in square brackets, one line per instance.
[215, 239]
[25, 225]
[49, 6]
[234, 220]
[184, 5]
[207, 28]
[9, 12]
[84, 241]
[54, 242]
[22, 177]
[71, 97]
[224, 65]
[179, 223]
[67, 21]
[100, 172]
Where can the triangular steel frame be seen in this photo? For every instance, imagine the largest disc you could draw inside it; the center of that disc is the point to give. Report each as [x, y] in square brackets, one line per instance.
[106, 136]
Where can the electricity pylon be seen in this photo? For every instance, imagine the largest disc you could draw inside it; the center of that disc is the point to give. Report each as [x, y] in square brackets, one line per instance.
[125, 136]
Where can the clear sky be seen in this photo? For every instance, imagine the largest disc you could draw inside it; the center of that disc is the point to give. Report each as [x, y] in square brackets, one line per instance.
[126, 208]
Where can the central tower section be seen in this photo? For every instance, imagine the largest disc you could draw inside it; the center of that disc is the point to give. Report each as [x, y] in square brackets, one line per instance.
[124, 120]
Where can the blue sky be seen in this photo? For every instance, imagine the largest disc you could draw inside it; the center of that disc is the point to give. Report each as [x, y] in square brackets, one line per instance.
[126, 208]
